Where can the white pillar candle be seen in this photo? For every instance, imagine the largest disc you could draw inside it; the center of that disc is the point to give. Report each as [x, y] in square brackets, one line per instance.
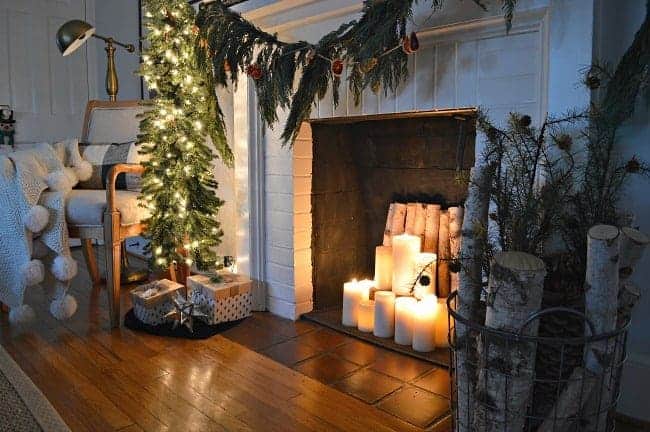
[425, 265]
[405, 250]
[366, 316]
[384, 314]
[383, 267]
[351, 300]
[442, 326]
[365, 287]
[424, 320]
[404, 312]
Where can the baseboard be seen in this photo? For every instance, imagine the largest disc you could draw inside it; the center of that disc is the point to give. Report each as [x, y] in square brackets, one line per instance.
[635, 383]
[288, 310]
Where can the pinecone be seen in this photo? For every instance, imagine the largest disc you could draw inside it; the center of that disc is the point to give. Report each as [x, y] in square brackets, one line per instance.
[525, 121]
[592, 81]
[564, 142]
[633, 166]
[492, 134]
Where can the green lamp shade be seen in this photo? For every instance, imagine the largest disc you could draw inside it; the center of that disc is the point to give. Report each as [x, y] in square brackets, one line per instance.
[72, 35]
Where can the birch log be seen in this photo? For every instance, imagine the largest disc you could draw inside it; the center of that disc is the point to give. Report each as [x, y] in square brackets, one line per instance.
[431, 227]
[633, 245]
[565, 414]
[399, 219]
[469, 292]
[411, 209]
[455, 224]
[601, 309]
[420, 220]
[389, 225]
[601, 288]
[602, 252]
[505, 376]
[443, 255]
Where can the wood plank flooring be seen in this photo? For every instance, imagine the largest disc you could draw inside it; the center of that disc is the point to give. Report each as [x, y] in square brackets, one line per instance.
[119, 380]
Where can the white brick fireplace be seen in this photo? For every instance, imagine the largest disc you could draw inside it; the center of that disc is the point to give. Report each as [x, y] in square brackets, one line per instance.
[465, 60]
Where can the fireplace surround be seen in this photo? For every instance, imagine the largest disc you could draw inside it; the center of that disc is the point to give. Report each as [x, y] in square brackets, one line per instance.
[359, 166]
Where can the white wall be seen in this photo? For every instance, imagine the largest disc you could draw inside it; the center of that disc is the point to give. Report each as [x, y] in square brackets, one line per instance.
[616, 24]
[117, 19]
[48, 92]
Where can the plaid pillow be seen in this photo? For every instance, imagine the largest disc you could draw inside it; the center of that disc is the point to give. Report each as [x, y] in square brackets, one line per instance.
[103, 157]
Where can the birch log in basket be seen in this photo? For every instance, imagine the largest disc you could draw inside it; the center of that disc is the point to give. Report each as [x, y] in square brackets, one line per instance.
[493, 371]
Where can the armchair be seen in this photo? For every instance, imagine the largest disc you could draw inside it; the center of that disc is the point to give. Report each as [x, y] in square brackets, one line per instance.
[112, 215]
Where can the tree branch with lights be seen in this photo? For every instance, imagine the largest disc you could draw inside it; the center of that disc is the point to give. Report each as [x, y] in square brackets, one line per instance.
[178, 184]
[374, 48]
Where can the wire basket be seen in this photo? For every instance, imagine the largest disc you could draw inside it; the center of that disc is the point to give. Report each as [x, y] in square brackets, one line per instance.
[494, 378]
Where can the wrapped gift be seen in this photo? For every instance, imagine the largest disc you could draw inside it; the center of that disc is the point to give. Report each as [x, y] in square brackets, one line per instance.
[228, 300]
[152, 301]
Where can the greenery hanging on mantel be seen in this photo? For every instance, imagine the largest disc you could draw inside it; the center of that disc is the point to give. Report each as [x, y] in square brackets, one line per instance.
[374, 48]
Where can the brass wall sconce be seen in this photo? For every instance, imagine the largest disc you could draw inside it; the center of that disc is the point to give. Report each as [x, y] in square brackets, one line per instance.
[75, 33]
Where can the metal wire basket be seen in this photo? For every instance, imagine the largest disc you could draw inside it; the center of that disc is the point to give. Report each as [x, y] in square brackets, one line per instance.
[491, 392]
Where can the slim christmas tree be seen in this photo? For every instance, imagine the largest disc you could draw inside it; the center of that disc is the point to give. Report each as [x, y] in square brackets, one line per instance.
[178, 184]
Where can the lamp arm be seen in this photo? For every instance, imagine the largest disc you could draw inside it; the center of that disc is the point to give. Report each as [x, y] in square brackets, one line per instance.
[109, 40]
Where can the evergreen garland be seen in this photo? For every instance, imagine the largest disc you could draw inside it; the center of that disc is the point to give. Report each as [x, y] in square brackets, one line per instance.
[178, 185]
[374, 48]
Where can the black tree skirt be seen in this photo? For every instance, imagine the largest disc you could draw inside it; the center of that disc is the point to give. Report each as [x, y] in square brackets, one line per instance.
[201, 329]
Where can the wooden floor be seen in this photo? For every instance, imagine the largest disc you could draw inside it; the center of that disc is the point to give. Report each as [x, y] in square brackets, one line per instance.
[121, 380]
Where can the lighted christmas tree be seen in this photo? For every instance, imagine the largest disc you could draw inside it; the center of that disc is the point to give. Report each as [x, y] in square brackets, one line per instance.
[176, 130]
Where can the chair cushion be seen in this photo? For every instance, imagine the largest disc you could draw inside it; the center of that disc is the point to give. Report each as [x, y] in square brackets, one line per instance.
[86, 207]
[103, 157]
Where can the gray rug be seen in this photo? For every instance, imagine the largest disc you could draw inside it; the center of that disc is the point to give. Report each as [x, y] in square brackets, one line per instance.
[23, 408]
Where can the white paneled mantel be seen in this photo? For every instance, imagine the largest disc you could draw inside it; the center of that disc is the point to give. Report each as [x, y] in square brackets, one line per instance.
[465, 59]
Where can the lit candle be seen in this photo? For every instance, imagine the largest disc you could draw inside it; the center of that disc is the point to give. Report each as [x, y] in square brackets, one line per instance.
[442, 326]
[351, 299]
[383, 267]
[404, 311]
[425, 266]
[424, 320]
[366, 315]
[365, 286]
[405, 250]
[384, 314]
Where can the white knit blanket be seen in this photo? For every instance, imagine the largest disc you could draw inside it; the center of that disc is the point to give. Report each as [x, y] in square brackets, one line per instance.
[34, 246]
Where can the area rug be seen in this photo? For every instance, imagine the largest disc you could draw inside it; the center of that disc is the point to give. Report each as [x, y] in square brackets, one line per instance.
[23, 408]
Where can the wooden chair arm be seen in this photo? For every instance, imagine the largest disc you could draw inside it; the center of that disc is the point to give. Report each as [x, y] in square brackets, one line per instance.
[112, 177]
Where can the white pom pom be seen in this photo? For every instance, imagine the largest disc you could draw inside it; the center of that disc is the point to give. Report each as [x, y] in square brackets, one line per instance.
[63, 308]
[84, 170]
[33, 272]
[21, 315]
[36, 219]
[72, 177]
[39, 249]
[58, 181]
[64, 268]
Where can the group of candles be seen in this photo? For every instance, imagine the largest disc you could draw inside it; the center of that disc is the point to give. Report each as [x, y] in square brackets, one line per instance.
[404, 307]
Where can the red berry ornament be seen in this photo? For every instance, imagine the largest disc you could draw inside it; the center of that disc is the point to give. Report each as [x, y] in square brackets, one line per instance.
[414, 43]
[254, 71]
[337, 67]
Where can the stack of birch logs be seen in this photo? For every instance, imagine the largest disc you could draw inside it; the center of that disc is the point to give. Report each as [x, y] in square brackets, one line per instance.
[439, 230]
[495, 375]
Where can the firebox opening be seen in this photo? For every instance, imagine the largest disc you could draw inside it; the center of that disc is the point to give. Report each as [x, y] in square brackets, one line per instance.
[361, 165]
